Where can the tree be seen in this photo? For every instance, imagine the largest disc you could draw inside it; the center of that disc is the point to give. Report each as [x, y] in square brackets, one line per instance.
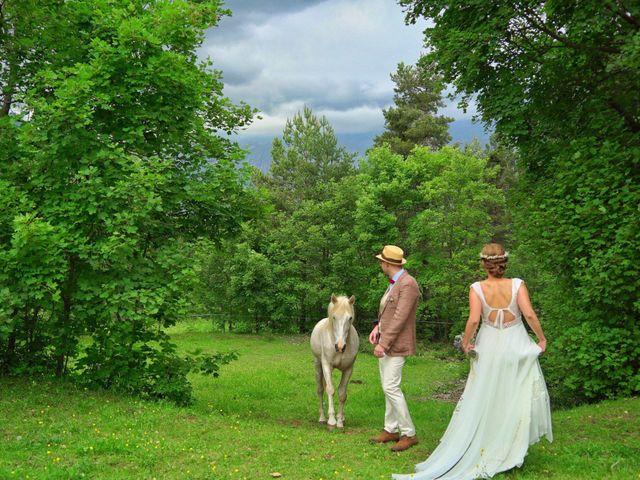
[559, 80]
[237, 285]
[305, 161]
[436, 205]
[504, 159]
[113, 166]
[413, 120]
[307, 171]
[25, 33]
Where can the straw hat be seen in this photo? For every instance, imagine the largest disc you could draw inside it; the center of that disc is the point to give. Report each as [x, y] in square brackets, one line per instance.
[393, 255]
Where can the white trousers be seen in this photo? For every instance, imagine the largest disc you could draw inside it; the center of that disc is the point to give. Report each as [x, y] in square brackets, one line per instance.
[396, 414]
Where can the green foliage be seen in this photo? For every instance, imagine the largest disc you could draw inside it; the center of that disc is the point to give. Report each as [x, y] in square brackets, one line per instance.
[413, 121]
[113, 167]
[125, 364]
[436, 205]
[594, 241]
[237, 282]
[32, 273]
[305, 161]
[539, 70]
[210, 363]
[602, 363]
[560, 82]
[281, 273]
[149, 370]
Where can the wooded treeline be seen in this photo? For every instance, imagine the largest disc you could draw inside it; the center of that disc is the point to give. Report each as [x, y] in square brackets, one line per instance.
[326, 218]
[124, 207]
[559, 84]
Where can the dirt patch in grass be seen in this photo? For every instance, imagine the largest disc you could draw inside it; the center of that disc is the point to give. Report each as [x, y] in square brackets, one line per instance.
[447, 391]
[190, 418]
[297, 339]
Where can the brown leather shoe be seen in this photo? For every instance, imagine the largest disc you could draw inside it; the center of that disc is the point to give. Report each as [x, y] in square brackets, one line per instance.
[385, 437]
[404, 443]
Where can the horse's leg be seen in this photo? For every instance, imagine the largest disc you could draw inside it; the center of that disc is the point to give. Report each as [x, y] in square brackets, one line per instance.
[326, 370]
[320, 390]
[342, 393]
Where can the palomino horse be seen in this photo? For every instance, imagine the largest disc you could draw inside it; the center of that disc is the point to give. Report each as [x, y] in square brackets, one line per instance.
[334, 343]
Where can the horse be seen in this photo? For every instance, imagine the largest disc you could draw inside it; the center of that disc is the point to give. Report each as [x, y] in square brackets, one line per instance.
[334, 343]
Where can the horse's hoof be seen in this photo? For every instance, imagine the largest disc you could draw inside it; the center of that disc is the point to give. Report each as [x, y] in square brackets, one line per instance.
[322, 421]
[331, 428]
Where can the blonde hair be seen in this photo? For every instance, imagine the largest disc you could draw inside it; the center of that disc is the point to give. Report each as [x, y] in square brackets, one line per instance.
[494, 259]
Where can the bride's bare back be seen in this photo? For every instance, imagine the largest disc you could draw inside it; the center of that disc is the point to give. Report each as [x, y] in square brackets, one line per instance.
[497, 294]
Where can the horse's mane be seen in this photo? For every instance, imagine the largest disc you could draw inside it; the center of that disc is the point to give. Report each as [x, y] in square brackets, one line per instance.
[340, 306]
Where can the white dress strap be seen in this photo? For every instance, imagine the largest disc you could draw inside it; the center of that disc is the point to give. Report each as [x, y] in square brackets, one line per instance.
[516, 282]
[478, 289]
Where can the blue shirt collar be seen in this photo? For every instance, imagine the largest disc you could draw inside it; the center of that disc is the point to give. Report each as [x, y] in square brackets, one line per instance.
[397, 275]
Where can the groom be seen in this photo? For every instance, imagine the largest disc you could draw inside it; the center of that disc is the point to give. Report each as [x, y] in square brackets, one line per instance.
[394, 337]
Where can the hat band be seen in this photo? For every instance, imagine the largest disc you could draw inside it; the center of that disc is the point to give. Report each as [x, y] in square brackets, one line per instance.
[390, 260]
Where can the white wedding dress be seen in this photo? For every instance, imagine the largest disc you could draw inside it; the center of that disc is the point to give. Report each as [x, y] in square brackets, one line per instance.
[504, 407]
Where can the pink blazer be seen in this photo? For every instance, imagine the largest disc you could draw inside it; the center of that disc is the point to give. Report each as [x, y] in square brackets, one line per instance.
[397, 318]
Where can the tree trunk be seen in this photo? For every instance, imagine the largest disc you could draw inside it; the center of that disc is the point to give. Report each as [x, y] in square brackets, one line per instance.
[66, 317]
[9, 88]
[6, 104]
[11, 347]
[30, 328]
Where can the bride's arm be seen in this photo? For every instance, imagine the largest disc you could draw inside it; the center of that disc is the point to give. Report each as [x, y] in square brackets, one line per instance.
[475, 309]
[524, 303]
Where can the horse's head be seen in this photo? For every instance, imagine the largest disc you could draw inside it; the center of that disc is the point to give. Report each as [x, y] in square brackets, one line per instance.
[340, 318]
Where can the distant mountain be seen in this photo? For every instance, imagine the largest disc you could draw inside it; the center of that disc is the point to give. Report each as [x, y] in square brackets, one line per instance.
[259, 147]
[463, 131]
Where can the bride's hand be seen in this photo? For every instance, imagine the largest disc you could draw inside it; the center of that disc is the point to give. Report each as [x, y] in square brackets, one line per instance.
[543, 345]
[467, 348]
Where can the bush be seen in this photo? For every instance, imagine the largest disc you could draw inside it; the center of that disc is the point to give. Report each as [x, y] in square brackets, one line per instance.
[146, 371]
[588, 362]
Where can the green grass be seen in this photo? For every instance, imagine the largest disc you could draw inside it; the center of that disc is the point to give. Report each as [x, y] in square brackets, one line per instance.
[260, 417]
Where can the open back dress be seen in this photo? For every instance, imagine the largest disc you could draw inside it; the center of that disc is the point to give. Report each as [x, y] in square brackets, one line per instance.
[504, 407]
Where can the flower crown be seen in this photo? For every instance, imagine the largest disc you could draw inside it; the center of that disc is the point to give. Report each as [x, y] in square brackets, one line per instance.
[504, 256]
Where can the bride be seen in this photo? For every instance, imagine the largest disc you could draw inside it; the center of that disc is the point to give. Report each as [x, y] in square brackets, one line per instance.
[505, 404]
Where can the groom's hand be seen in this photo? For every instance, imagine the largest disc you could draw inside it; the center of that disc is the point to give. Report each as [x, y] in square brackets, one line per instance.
[373, 336]
[378, 351]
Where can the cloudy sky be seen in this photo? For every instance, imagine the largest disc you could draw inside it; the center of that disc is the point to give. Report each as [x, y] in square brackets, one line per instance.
[333, 55]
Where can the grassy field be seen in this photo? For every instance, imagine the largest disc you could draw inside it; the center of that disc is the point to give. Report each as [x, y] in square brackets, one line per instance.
[260, 418]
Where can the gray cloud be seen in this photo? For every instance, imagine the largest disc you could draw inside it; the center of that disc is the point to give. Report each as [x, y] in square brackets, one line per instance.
[246, 14]
[266, 7]
[333, 55]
